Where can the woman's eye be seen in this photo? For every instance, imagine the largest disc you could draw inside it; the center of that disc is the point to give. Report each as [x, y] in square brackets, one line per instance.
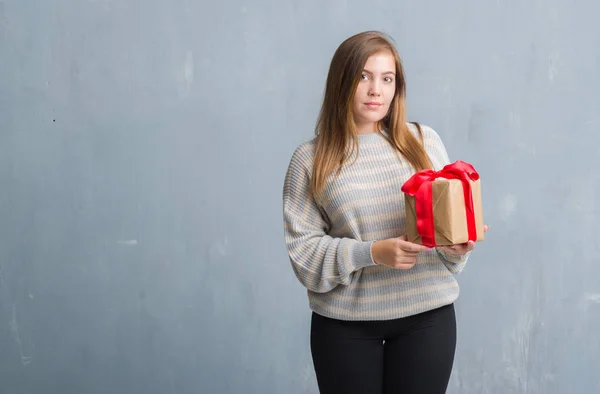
[388, 79]
[363, 76]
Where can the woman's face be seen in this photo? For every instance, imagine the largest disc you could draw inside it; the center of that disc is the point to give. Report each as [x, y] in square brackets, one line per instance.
[375, 91]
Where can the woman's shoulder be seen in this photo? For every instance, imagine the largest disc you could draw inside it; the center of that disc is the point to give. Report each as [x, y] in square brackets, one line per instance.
[426, 130]
[433, 144]
[303, 154]
[430, 136]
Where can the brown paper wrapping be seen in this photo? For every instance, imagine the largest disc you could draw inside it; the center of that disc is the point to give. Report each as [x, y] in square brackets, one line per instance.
[449, 213]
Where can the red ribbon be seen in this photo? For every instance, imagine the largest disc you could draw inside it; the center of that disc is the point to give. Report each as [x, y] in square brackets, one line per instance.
[420, 186]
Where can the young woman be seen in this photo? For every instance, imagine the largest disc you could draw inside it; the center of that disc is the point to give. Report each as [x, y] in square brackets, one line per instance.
[383, 318]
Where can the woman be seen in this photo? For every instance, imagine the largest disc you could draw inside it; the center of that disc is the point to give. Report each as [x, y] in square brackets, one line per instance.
[383, 319]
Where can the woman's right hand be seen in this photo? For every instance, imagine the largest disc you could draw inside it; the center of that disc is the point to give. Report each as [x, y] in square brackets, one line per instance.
[397, 253]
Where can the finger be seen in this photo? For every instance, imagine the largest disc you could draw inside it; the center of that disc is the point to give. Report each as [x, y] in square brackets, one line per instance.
[412, 247]
[454, 248]
[486, 228]
[455, 251]
[460, 248]
[404, 266]
[409, 253]
[464, 248]
[406, 260]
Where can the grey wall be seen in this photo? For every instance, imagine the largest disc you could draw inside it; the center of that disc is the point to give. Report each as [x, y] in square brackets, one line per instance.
[143, 146]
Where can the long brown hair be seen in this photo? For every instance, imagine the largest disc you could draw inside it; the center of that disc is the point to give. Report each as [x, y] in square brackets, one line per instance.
[337, 134]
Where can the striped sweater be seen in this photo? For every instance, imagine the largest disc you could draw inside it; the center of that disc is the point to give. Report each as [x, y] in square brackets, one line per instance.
[329, 243]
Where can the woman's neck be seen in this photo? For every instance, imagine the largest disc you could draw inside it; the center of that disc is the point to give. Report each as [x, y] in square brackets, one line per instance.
[368, 128]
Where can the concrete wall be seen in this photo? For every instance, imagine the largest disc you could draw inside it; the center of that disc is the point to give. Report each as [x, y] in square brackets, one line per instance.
[143, 146]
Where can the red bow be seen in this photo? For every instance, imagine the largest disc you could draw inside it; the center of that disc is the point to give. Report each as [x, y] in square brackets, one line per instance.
[420, 186]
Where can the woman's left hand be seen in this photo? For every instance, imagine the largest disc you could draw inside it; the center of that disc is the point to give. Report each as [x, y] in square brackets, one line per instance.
[462, 248]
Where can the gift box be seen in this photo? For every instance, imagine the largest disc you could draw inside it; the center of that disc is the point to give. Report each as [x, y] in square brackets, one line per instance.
[444, 207]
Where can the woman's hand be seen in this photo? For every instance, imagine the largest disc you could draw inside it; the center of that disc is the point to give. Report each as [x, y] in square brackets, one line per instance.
[397, 253]
[462, 248]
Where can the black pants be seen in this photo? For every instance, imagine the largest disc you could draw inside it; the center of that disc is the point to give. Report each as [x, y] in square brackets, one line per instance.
[412, 355]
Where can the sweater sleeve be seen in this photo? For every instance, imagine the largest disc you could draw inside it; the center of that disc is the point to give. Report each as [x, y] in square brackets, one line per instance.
[320, 262]
[454, 262]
